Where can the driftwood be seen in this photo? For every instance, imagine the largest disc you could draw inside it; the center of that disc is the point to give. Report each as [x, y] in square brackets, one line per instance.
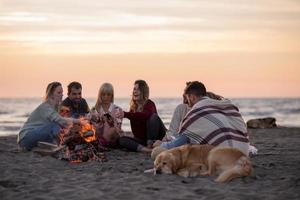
[268, 122]
[47, 149]
[47, 145]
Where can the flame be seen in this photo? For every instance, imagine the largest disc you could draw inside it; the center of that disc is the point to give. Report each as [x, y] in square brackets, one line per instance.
[87, 132]
[75, 161]
[85, 128]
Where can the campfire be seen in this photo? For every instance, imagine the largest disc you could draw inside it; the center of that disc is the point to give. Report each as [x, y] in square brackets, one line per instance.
[79, 144]
[75, 144]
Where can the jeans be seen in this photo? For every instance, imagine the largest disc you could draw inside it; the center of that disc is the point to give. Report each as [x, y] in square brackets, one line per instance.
[155, 130]
[178, 141]
[45, 133]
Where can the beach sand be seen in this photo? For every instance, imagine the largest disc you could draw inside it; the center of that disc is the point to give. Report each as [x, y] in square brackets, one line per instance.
[31, 176]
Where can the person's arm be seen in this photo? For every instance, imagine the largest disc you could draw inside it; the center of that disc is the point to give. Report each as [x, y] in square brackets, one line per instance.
[75, 121]
[118, 119]
[86, 106]
[178, 115]
[54, 116]
[179, 141]
[149, 109]
[93, 115]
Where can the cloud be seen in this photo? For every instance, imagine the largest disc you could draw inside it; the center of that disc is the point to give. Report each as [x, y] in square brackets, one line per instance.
[139, 23]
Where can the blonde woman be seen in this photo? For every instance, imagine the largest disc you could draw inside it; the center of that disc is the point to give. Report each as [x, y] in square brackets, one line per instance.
[44, 123]
[145, 123]
[108, 126]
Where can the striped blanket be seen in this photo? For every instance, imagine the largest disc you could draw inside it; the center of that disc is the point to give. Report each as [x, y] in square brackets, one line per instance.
[216, 122]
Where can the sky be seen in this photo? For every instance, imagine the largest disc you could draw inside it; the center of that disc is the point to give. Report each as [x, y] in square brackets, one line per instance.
[237, 48]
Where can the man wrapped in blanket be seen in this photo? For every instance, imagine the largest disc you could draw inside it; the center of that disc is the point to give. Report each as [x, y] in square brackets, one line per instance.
[210, 121]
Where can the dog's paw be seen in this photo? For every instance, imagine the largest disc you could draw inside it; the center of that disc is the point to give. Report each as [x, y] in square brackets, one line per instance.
[205, 173]
[193, 174]
[183, 172]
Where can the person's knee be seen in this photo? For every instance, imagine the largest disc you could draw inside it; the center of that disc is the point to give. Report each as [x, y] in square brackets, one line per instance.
[27, 144]
[55, 129]
[153, 120]
[154, 117]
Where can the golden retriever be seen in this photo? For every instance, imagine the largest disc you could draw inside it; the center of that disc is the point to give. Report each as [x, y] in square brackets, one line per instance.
[229, 163]
[195, 160]
[186, 160]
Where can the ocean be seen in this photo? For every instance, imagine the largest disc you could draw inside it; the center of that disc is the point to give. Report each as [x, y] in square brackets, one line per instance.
[14, 111]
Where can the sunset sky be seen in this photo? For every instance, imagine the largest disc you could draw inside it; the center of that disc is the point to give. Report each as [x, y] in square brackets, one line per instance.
[237, 48]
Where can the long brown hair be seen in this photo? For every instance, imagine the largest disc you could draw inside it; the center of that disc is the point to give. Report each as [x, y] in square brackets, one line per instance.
[144, 88]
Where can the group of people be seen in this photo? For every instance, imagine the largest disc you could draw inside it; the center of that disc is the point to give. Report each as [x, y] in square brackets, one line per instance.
[202, 118]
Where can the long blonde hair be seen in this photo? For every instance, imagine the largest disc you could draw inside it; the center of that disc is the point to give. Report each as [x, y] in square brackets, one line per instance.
[105, 88]
[144, 88]
[50, 89]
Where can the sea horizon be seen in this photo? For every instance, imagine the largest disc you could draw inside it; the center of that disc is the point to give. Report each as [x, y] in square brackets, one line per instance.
[15, 111]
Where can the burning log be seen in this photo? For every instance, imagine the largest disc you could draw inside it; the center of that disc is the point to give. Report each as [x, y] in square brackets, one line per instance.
[88, 132]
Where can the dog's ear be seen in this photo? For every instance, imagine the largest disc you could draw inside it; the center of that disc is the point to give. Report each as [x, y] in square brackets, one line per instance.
[157, 160]
[156, 151]
[174, 161]
[183, 153]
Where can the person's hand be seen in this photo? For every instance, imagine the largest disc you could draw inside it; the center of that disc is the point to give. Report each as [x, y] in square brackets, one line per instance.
[83, 121]
[214, 96]
[165, 139]
[157, 143]
[120, 114]
[119, 130]
[94, 117]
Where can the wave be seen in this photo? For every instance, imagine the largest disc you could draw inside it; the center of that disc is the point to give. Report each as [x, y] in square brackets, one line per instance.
[257, 113]
[10, 128]
[15, 111]
[11, 122]
[24, 115]
[290, 111]
[4, 112]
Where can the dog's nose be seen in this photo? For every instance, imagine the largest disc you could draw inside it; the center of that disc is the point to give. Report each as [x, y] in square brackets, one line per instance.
[158, 171]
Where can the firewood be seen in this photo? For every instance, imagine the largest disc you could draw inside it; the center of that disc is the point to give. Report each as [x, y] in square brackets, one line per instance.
[46, 145]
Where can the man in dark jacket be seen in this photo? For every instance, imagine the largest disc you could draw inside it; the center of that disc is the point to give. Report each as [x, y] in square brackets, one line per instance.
[78, 105]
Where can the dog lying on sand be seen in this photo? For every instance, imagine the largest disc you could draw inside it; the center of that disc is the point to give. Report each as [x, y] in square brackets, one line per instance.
[186, 160]
[195, 160]
[229, 163]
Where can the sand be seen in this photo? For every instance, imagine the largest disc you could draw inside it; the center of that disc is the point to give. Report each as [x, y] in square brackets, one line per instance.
[27, 175]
